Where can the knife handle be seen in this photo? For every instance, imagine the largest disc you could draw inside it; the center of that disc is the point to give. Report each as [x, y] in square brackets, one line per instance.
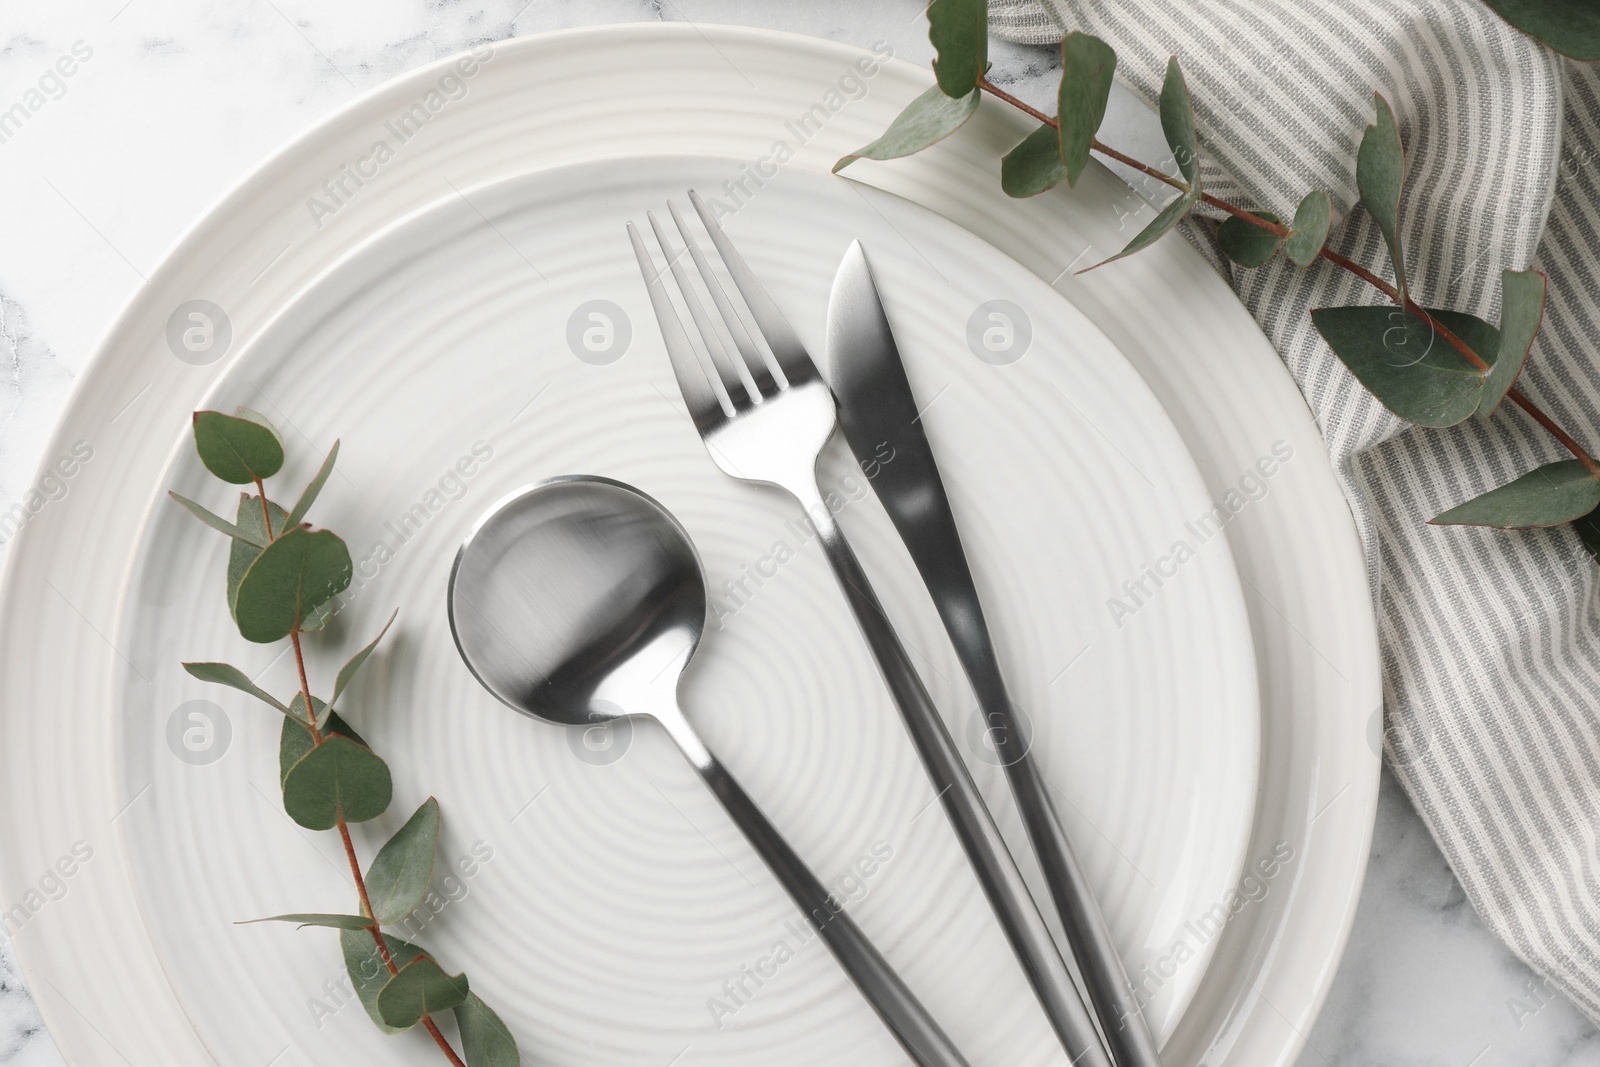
[1126, 1029]
[975, 828]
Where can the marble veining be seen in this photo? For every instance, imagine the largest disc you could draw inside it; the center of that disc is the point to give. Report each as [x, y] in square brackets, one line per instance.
[179, 99]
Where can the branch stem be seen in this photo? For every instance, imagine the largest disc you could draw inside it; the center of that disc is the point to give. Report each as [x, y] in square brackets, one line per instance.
[1344, 263]
[266, 516]
[350, 847]
[440, 1040]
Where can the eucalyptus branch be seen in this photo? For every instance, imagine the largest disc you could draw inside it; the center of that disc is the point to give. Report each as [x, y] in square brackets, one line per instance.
[1515, 395]
[282, 578]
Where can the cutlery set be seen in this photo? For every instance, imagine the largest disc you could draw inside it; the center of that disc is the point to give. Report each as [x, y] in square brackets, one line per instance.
[582, 599]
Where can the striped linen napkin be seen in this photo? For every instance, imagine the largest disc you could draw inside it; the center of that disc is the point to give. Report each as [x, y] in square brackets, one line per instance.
[1490, 640]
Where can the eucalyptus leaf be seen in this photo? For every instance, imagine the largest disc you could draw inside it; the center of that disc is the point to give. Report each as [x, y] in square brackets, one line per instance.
[294, 740]
[348, 672]
[1034, 165]
[1165, 221]
[1381, 179]
[298, 571]
[927, 120]
[398, 879]
[367, 972]
[1309, 231]
[421, 988]
[485, 1040]
[242, 555]
[1480, 336]
[1087, 66]
[216, 522]
[1522, 296]
[1398, 358]
[229, 675]
[260, 420]
[308, 496]
[237, 450]
[244, 551]
[319, 616]
[297, 710]
[1177, 122]
[959, 32]
[1550, 495]
[1571, 27]
[335, 922]
[336, 777]
[1246, 243]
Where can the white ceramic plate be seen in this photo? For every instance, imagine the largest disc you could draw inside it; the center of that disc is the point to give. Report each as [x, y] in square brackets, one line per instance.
[612, 914]
[733, 93]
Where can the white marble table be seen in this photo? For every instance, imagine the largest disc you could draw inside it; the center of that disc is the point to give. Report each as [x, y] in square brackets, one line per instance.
[179, 99]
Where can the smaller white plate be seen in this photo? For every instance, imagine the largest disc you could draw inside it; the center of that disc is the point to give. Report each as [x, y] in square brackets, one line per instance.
[613, 908]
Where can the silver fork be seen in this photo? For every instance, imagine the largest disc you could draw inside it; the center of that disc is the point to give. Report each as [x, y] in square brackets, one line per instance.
[768, 422]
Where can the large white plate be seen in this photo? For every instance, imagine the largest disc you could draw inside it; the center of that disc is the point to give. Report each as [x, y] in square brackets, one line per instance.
[732, 92]
[609, 918]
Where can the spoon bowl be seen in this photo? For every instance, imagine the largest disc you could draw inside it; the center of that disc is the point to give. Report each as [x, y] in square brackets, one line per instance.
[578, 600]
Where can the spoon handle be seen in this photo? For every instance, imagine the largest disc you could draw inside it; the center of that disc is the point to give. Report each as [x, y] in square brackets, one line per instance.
[1031, 941]
[905, 1016]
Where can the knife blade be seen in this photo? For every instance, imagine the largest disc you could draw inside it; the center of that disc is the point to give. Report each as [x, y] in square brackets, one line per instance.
[877, 407]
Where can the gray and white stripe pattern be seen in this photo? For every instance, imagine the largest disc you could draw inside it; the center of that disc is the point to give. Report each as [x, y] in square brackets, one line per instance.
[1491, 641]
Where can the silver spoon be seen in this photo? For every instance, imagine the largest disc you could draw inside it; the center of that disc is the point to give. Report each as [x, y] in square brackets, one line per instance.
[581, 600]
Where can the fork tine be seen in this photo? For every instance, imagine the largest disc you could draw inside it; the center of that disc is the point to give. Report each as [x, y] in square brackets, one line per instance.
[754, 361]
[785, 344]
[727, 368]
[705, 409]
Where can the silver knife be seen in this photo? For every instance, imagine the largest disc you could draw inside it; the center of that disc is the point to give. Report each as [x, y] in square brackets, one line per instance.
[876, 406]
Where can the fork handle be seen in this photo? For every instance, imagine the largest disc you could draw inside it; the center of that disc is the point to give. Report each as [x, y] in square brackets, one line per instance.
[986, 850]
[922, 1038]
